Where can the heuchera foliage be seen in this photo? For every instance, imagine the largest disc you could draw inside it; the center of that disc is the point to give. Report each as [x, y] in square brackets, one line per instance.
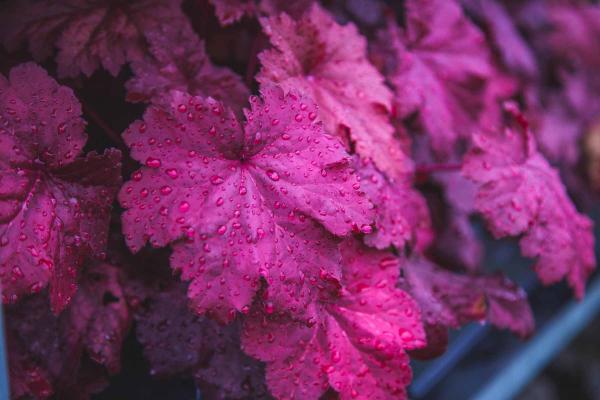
[288, 210]
[55, 205]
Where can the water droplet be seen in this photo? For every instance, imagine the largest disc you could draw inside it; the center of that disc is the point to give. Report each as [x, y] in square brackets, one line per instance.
[387, 262]
[269, 308]
[222, 229]
[165, 190]
[220, 202]
[298, 118]
[274, 122]
[336, 356]
[172, 172]
[61, 128]
[312, 116]
[243, 190]
[405, 335]
[184, 206]
[17, 272]
[216, 180]
[182, 108]
[153, 162]
[35, 287]
[366, 229]
[274, 176]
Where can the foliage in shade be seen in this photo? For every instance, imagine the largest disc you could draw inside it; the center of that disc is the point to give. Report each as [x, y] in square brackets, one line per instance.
[293, 216]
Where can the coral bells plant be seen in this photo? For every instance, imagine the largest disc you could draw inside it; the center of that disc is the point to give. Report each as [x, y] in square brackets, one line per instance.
[288, 210]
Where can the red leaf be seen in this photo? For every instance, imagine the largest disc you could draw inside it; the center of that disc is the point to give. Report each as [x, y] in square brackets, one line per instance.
[239, 196]
[441, 70]
[458, 243]
[230, 11]
[402, 216]
[178, 61]
[519, 193]
[56, 354]
[178, 342]
[512, 48]
[451, 300]
[574, 29]
[88, 34]
[329, 63]
[354, 342]
[54, 207]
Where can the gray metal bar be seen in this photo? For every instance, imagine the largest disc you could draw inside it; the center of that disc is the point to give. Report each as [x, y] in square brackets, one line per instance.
[4, 382]
[545, 345]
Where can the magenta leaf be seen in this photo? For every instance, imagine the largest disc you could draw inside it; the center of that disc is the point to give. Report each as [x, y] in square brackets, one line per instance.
[512, 48]
[295, 260]
[54, 205]
[354, 342]
[239, 196]
[76, 351]
[574, 28]
[450, 300]
[441, 68]
[230, 11]
[178, 61]
[519, 193]
[328, 62]
[88, 34]
[402, 216]
[458, 243]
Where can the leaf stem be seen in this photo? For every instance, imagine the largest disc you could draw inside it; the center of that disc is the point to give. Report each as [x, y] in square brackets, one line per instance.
[111, 133]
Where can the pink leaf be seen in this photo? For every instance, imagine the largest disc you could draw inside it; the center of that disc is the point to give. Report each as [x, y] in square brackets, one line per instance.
[239, 196]
[574, 29]
[355, 342]
[441, 70]
[54, 206]
[451, 300]
[328, 62]
[512, 48]
[178, 61]
[230, 11]
[520, 194]
[402, 216]
[88, 34]
[458, 243]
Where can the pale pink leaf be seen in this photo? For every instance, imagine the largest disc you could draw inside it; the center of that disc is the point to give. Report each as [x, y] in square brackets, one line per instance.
[328, 62]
